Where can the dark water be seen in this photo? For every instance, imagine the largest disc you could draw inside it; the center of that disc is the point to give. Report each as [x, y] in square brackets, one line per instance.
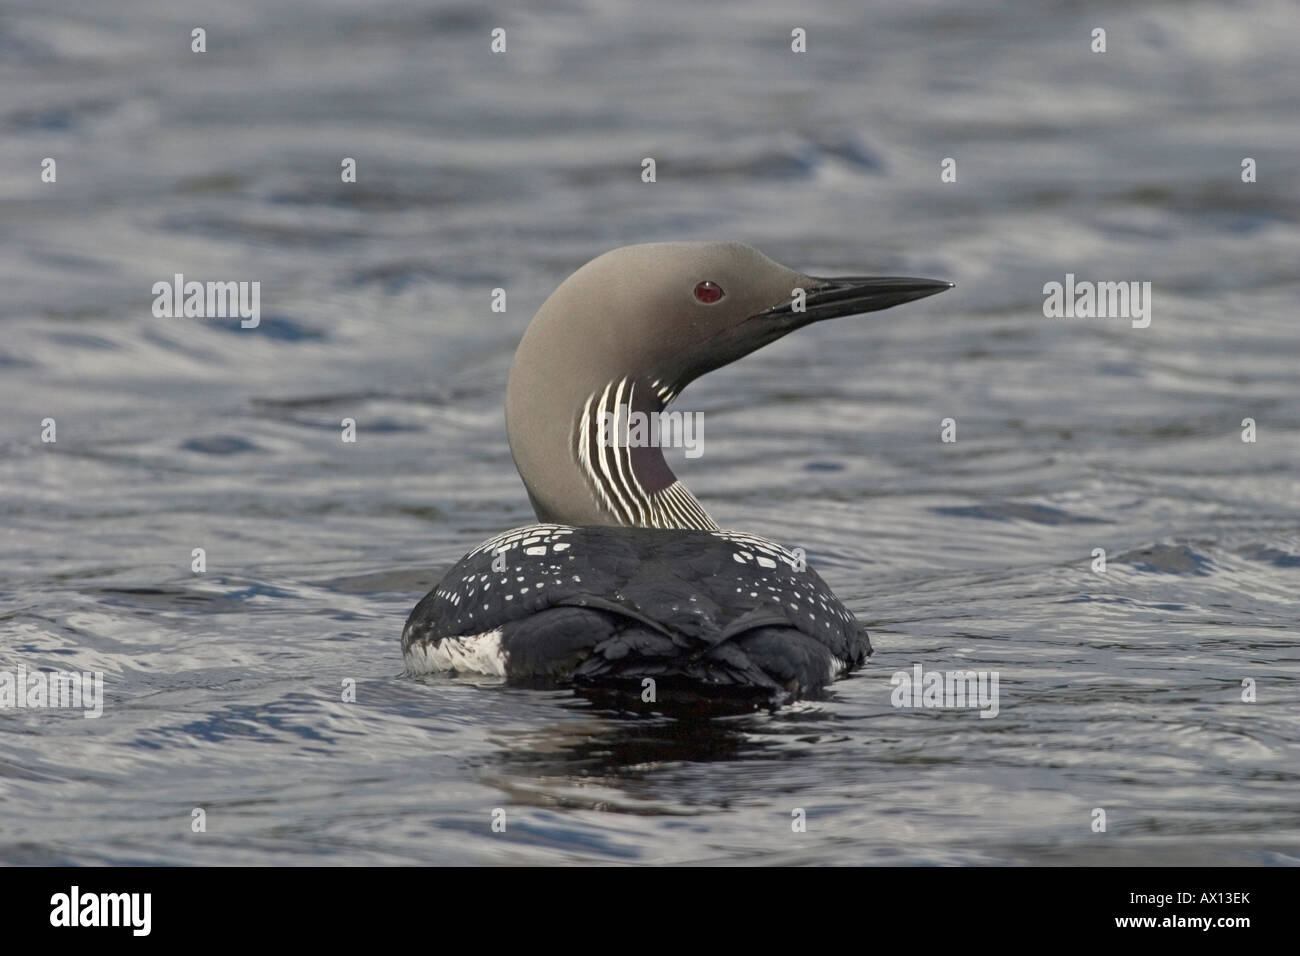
[1120, 691]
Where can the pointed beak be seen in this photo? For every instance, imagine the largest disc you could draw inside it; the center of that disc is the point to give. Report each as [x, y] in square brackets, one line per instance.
[853, 295]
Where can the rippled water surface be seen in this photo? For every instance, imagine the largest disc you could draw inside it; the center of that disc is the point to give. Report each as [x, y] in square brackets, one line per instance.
[1119, 691]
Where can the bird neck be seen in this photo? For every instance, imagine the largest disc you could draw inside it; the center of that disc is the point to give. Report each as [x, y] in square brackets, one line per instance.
[619, 435]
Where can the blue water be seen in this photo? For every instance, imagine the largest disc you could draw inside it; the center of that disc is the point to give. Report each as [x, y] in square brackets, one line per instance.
[1119, 691]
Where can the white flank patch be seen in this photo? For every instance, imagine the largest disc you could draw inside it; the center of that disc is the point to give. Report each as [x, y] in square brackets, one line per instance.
[472, 654]
[836, 668]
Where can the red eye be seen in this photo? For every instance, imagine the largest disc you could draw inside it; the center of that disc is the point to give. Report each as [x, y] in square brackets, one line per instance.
[709, 292]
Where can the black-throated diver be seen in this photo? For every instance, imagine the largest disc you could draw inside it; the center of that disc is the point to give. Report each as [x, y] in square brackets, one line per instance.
[627, 577]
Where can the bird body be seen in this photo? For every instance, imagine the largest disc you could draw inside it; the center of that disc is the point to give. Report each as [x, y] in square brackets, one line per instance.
[601, 605]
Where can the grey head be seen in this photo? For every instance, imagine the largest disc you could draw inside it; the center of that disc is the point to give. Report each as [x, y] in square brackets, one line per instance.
[626, 333]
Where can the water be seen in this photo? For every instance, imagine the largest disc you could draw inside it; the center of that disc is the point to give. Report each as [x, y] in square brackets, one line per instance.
[1119, 691]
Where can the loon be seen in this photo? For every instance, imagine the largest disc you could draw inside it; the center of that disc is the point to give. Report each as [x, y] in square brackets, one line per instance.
[625, 576]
